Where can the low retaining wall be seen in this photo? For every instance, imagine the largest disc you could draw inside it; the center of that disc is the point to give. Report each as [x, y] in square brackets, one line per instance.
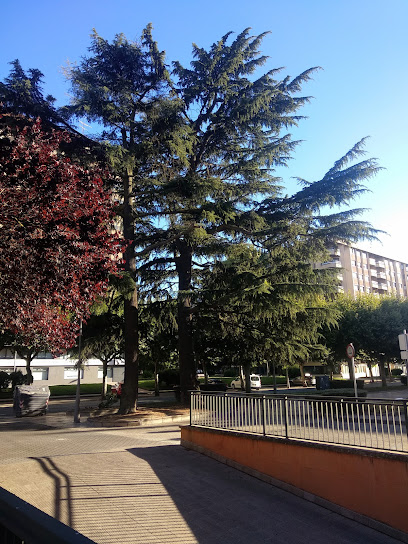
[366, 485]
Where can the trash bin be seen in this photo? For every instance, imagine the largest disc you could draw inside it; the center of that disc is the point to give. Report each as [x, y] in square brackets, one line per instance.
[322, 382]
[31, 400]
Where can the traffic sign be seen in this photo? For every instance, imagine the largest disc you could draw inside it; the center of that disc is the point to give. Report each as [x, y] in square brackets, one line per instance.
[402, 338]
[350, 351]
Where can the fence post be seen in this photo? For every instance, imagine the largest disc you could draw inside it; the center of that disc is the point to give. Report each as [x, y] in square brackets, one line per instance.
[263, 415]
[285, 411]
[406, 416]
[191, 406]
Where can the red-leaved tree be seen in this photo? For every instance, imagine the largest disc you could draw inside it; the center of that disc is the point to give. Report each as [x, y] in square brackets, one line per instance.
[57, 244]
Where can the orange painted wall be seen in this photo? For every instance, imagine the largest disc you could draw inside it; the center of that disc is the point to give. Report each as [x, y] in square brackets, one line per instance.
[371, 484]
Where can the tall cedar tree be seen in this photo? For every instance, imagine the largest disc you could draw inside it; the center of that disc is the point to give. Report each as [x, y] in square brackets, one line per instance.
[118, 85]
[55, 238]
[218, 189]
[197, 164]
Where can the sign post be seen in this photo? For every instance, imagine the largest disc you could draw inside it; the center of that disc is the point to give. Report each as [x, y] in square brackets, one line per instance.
[350, 354]
[403, 344]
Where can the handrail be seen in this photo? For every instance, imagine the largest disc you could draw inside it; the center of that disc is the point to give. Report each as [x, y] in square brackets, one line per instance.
[23, 522]
[367, 423]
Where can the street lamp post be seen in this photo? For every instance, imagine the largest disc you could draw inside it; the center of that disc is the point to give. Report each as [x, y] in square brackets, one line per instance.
[77, 414]
[403, 343]
[350, 354]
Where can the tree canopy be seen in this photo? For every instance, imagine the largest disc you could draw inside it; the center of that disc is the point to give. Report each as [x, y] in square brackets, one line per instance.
[56, 249]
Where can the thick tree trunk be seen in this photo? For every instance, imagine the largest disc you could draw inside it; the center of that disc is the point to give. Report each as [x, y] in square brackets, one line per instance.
[185, 333]
[29, 376]
[128, 400]
[381, 364]
[274, 375]
[247, 371]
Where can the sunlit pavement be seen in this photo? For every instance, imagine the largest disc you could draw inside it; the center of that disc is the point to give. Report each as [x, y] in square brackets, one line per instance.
[138, 485]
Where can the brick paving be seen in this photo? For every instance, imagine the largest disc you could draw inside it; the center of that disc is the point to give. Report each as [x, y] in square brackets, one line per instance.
[138, 485]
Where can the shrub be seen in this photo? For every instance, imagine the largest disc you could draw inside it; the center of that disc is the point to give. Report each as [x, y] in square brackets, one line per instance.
[17, 378]
[230, 373]
[396, 371]
[4, 379]
[403, 380]
[170, 377]
[293, 372]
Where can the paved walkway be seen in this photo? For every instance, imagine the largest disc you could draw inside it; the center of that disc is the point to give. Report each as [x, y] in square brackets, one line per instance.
[138, 485]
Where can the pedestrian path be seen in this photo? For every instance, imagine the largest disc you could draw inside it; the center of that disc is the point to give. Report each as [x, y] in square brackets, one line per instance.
[138, 485]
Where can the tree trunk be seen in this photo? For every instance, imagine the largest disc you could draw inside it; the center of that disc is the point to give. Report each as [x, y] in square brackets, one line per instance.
[184, 318]
[205, 370]
[302, 374]
[370, 371]
[381, 364]
[156, 380]
[274, 376]
[29, 376]
[128, 400]
[104, 374]
[247, 371]
[287, 378]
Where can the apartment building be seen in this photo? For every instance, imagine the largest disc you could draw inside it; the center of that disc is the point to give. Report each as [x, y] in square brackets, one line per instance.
[361, 271]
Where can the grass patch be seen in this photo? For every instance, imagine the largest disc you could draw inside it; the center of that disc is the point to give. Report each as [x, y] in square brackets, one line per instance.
[85, 388]
[146, 384]
[311, 392]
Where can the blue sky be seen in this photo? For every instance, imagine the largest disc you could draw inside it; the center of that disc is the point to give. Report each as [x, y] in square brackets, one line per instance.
[361, 45]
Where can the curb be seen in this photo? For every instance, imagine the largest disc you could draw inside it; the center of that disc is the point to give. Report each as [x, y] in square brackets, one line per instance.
[141, 422]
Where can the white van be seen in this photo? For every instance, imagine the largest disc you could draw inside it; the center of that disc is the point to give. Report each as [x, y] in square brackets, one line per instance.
[255, 382]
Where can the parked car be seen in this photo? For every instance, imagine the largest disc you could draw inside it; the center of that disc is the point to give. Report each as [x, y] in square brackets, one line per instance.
[214, 385]
[308, 381]
[255, 382]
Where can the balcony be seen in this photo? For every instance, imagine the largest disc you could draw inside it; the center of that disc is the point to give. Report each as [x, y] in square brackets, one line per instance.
[374, 284]
[380, 264]
[331, 264]
[381, 275]
[383, 286]
[334, 251]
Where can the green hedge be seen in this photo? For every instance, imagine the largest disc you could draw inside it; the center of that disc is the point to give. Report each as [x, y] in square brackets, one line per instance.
[268, 380]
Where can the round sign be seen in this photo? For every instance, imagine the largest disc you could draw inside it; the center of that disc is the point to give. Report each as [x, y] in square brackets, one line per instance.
[350, 351]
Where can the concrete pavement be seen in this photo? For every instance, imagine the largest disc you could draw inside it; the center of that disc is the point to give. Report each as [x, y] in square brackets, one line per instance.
[138, 485]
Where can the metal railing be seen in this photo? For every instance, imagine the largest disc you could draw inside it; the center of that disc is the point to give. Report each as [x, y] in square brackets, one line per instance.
[366, 423]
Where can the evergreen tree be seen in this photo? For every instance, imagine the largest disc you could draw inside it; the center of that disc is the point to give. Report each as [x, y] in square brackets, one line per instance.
[219, 189]
[118, 85]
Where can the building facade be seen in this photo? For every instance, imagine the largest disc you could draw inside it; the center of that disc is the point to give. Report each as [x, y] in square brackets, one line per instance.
[361, 271]
[49, 370]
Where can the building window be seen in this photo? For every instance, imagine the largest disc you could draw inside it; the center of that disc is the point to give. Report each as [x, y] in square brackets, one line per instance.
[39, 373]
[71, 373]
[108, 373]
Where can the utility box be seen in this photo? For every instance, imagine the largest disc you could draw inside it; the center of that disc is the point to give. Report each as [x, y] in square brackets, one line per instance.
[322, 382]
[31, 400]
